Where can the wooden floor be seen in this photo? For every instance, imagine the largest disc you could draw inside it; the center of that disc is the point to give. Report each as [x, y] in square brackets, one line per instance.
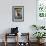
[13, 44]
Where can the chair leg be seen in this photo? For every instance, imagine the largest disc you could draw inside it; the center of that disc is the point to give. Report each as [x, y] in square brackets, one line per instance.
[5, 40]
[5, 43]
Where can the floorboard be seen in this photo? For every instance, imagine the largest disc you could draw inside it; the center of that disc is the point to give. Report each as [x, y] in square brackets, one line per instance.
[13, 44]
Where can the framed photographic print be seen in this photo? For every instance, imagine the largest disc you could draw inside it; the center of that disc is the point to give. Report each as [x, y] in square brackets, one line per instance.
[17, 13]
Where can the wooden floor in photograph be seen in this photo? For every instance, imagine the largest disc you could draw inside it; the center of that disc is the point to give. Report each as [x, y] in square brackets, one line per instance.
[13, 44]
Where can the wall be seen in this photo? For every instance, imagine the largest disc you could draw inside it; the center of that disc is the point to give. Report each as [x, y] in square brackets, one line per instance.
[6, 15]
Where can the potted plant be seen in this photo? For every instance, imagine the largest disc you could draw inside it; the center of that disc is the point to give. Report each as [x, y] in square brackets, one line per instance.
[39, 35]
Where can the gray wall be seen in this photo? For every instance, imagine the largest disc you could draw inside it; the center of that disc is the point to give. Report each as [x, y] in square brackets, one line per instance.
[6, 15]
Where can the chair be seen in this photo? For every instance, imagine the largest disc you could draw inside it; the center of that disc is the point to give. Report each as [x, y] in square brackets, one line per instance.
[14, 32]
[26, 41]
[7, 35]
